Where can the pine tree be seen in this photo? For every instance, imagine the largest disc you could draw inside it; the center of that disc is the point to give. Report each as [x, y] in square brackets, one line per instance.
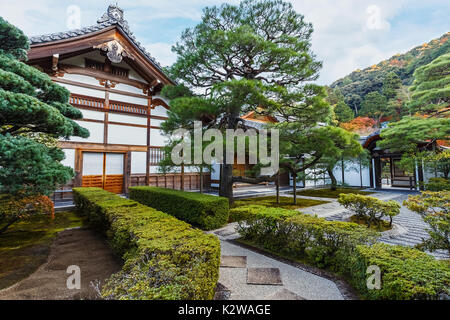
[375, 106]
[255, 56]
[431, 87]
[31, 107]
[343, 112]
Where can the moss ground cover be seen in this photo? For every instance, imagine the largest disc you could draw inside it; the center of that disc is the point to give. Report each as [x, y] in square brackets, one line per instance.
[285, 202]
[26, 244]
[328, 193]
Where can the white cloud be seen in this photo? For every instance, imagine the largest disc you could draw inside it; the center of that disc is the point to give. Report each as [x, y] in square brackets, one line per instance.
[349, 34]
[162, 53]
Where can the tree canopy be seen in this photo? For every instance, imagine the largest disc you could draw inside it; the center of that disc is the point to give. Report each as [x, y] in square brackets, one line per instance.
[431, 87]
[254, 56]
[31, 106]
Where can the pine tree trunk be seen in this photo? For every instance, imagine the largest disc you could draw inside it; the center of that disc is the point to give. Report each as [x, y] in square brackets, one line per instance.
[333, 180]
[295, 188]
[201, 180]
[226, 184]
[278, 187]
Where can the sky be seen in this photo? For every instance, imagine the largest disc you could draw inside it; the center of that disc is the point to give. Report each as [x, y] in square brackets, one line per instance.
[348, 34]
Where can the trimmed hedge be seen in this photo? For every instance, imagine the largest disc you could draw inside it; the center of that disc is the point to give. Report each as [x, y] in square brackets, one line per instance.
[348, 249]
[164, 258]
[255, 212]
[201, 210]
[372, 208]
[301, 236]
[438, 184]
[406, 273]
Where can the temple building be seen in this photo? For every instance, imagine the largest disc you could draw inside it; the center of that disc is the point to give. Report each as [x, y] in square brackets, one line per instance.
[116, 84]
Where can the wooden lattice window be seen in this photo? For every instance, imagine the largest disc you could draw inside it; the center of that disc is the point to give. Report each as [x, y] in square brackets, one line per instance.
[121, 72]
[92, 64]
[117, 71]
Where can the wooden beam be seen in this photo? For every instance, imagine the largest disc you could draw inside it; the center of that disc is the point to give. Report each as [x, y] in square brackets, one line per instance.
[100, 147]
[98, 74]
[99, 88]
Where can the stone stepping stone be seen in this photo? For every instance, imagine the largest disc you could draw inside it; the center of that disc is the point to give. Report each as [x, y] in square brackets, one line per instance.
[264, 276]
[284, 294]
[233, 262]
[225, 232]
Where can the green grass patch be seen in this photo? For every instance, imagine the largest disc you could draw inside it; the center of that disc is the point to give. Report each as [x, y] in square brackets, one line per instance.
[328, 193]
[26, 244]
[379, 225]
[285, 202]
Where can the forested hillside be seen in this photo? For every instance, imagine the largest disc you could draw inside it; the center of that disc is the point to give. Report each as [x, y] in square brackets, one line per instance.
[359, 83]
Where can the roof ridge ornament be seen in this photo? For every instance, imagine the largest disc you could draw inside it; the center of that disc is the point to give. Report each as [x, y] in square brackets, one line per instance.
[115, 15]
[114, 12]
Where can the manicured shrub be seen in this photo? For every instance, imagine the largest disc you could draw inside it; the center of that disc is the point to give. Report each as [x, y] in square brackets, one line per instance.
[15, 208]
[438, 184]
[371, 208]
[406, 273]
[302, 236]
[255, 212]
[164, 258]
[348, 249]
[201, 210]
[434, 208]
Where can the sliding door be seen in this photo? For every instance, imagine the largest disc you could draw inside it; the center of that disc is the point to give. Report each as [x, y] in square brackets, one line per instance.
[103, 170]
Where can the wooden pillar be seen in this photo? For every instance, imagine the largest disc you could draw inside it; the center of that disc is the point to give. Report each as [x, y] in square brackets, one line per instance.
[127, 175]
[378, 184]
[182, 177]
[106, 116]
[147, 166]
[78, 180]
[371, 173]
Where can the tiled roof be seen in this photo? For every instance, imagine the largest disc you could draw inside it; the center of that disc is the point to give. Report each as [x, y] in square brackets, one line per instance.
[113, 16]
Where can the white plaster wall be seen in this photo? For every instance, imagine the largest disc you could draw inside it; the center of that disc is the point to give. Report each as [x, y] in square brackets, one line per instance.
[69, 161]
[118, 134]
[118, 117]
[83, 79]
[84, 91]
[138, 161]
[157, 139]
[156, 123]
[128, 99]
[128, 88]
[93, 115]
[95, 129]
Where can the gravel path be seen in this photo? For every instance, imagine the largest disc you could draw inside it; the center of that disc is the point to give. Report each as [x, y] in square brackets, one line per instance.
[296, 284]
[415, 227]
[80, 247]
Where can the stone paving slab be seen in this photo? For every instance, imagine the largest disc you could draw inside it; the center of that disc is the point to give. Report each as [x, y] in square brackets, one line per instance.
[284, 294]
[268, 276]
[300, 282]
[233, 262]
